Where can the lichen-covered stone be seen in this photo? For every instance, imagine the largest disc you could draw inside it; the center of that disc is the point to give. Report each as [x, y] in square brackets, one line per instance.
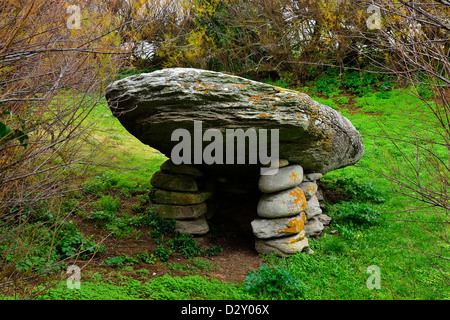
[174, 182]
[283, 247]
[280, 204]
[312, 177]
[152, 105]
[177, 198]
[309, 189]
[279, 163]
[312, 208]
[326, 220]
[180, 212]
[285, 178]
[169, 167]
[274, 228]
[313, 227]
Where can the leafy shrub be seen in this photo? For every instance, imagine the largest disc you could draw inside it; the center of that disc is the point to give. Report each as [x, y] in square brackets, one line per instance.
[383, 95]
[102, 216]
[361, 191]
[274, 282]
[108, 204]
[72, 241]
[362, 83]
[70, 205]
[160, 227]
[121, 227]
[186, 245]
[352, 213]
[182, 243]
[327, 85]
[359, 83]
[342, 100]
[124, 260]
[213, 250]
[99, 184]
[8, 133]
[121, 261]
[162, 253]
[146, 258]
[66, 242]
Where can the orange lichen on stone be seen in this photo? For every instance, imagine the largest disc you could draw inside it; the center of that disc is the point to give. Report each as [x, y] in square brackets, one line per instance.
[204, 88]
[261, 115]
[239, 86]
[293, 176]
[299, 197]
[295, 225]
[258, 98]
[311, 188]
[312, 118]
[296, 239]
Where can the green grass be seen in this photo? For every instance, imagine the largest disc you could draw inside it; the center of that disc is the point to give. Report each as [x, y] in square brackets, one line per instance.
[374, 227]
[161, 288]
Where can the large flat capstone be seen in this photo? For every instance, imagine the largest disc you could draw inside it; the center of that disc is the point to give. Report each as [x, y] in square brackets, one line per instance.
[152, 105]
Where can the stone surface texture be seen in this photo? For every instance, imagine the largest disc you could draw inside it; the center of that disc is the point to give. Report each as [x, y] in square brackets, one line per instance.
[274, 228]
[152, 105]
[313, 227]
[285, 178]
[282, 204]
[283, 247]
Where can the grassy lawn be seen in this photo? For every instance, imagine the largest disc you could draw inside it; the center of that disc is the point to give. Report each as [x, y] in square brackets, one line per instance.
[403, 243]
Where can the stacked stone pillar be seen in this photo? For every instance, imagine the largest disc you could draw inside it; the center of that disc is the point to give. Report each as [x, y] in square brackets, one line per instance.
[289, 200]
[313, 226]
[281, 221]
[179, 193]
[289, 209]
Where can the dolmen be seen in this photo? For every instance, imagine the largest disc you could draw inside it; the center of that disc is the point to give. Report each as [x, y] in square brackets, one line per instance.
[212, 125]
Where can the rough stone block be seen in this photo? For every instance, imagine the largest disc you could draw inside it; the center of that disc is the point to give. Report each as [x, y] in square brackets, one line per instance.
[312, 207]
[285, 178]
[178, 198]
[174, 182]
[168, 211]
[284, 203]
[197, 226]
[283, 247]
[274, 228]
